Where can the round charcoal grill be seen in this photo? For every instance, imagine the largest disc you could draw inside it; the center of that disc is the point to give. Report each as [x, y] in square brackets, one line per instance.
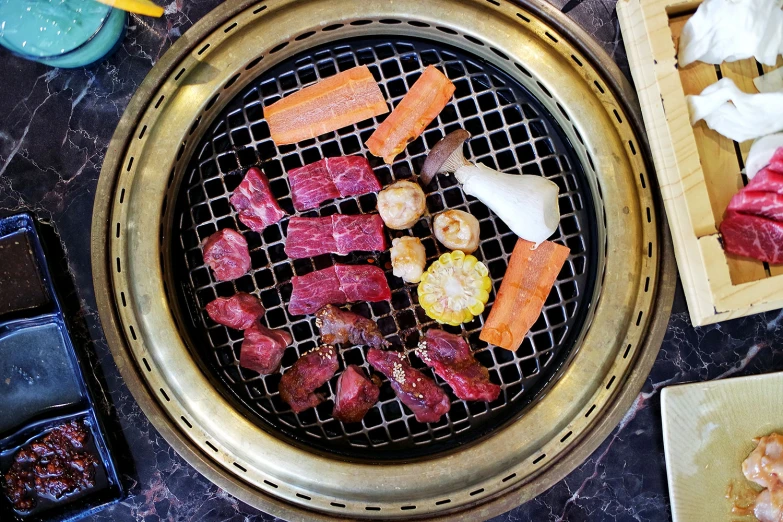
[514, 133]
[537, 97]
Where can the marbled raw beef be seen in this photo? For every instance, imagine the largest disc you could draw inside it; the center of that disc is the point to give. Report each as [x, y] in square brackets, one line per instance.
[310, 237]
[331, 178]
[337, 284]
[356, 394]
[225, 252]
[338, 234]
[763, 204]
[753, 236]
[263, 348]
[311, 185]
[239, 311]
[254, 202]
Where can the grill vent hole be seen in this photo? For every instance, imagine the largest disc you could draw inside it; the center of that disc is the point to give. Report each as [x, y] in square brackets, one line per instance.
[146, 364]
[303, 496]
[539, 458]
[212, 446]
[474, 493]
[276, 486]
[444, 501]
[186, 421]
[506, 479]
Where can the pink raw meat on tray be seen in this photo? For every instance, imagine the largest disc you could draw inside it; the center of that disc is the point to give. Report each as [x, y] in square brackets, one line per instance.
[762, 204]
[356, 394]
[225, 252]
[422, 395]
[263, 348]
[254, 202]
[331, 178]
[338, 285]
[311, 371]
[239, 311]
[753, 236]
[766, 180]
[337, 234]
[451, 358]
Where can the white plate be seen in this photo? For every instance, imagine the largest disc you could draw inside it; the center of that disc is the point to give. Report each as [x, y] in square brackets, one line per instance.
[708, 430]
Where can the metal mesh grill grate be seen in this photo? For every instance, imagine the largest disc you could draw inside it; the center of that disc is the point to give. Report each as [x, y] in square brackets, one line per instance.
[511, 131]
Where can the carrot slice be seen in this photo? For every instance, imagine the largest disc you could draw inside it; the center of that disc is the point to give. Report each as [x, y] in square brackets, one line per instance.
[525, 287]
[335, 102]
[428, 96]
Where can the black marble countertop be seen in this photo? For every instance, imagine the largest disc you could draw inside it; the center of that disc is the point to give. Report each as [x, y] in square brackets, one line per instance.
[55, 126]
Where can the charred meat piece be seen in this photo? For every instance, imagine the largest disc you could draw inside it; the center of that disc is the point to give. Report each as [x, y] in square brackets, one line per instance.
[356, 394]
[417, 391]
[450, 356]
[337, 234]
[331, 178]
[254, 202]
[340, 327]
[239, 311]
[226, 253]
[263, 348]
[337, 284]
[309, 372]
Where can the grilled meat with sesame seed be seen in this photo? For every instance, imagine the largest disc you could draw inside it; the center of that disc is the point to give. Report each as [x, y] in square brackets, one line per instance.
[340, 326]
[355, 395]
[312, 370]
[450, 356]
[414, 389]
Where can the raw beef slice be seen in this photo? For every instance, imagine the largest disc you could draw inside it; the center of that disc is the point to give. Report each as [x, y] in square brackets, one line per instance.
[766, 180]
[309, 237]
[225, 252]
[363, 283]
[312, 291]
[355, 395]
[254, 202]
[364, 233]
[763, 204]
[753, 236]
[263, 348]
[239, 311]
[337, 284]
[352, 175]
[311, 185]
[338, 234]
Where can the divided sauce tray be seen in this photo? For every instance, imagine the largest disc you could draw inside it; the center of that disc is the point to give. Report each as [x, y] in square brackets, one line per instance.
[41, 379]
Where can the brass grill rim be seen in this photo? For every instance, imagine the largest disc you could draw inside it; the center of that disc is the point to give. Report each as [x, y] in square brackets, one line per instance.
[482, 503]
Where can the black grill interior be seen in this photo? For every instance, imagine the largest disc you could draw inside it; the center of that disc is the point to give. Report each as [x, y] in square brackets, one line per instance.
[511, 131]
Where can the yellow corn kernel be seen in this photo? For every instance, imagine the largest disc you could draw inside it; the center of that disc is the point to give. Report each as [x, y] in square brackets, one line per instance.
[455, 288]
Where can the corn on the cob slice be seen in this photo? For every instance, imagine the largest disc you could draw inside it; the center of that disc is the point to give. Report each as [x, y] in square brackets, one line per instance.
[455, 288]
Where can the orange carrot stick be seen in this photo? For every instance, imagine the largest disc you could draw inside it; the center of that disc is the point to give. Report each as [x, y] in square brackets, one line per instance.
[431, 92]
[332, 103]
[525, 287]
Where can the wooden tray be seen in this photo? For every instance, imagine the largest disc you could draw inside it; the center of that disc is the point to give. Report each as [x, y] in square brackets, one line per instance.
[698, 169]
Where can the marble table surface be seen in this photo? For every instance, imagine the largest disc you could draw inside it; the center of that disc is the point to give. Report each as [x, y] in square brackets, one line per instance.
[55, 126]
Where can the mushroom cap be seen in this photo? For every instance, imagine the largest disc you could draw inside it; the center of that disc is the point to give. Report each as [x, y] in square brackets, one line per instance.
[438, 160]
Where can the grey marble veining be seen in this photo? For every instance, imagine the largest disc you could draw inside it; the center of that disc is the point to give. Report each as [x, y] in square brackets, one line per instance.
[55, 126]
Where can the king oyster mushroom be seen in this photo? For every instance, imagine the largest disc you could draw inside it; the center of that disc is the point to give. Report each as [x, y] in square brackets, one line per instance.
[527, 204]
